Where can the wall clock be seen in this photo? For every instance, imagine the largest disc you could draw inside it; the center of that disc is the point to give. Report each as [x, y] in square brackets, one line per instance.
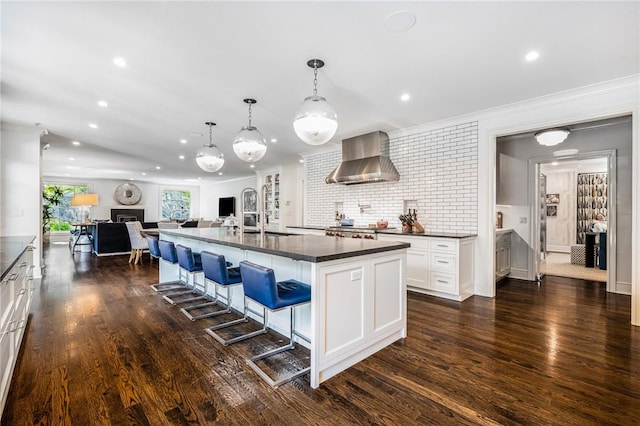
[128, 194]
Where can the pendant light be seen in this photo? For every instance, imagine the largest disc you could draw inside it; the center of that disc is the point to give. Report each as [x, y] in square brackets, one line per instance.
[316, 121]
[209, 157]
[552, 137]
[249, 144]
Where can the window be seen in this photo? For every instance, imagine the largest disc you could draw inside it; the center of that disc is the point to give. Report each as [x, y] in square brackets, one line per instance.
[61, 216]
[175, 204]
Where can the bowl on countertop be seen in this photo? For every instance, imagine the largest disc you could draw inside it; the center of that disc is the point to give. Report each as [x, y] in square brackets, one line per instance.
[382, 223]
[346, 222]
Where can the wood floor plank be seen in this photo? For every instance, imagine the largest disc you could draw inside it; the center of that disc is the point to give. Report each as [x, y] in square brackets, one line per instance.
[102, 348]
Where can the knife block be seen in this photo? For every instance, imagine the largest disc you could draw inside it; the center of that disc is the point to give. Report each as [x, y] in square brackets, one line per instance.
[406, 228]
[417, 228]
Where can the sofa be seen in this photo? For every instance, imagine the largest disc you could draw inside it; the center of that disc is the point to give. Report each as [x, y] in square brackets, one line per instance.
[113, 238]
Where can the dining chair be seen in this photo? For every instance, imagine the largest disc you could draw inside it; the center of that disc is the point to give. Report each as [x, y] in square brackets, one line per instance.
[138, 242]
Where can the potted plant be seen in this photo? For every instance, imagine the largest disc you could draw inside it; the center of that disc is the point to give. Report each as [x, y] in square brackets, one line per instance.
[51, 197]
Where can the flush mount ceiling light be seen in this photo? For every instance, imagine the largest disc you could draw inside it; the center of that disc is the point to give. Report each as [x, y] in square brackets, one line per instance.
[249, 144]
[316, 121]
[400, 21]
[551, 137]
[209, 157]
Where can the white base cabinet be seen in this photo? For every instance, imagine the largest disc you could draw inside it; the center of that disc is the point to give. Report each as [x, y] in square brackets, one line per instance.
[16, 293]
[503, 254]
[438, 266]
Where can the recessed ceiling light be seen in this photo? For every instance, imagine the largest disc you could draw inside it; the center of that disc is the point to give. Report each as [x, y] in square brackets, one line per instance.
[199, 178]
[76, 143]
[120, 62]
[183, 141]
[252, 166]
[67, 174]
[532, 56]
[301, 160]
[274, 140]
[555, 163]
[144, 174]
[103, 104]
[93, 125]
[157, 167]
[130, 178]
[71, 159]
[405, 97]
[181, 157]
[219, 173]
[400, 21]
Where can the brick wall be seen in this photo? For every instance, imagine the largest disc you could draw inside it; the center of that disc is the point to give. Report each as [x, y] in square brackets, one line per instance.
[438, 176]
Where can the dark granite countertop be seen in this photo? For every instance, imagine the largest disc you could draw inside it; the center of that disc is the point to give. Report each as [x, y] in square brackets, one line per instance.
[433, 234]
[11, 248]
[318, 228]
[310, 248]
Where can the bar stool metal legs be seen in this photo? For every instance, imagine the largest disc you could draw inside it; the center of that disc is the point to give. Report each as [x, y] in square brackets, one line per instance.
[247, 309]
[167, 251]
[190, 267]
[274, 383]
[221, 273]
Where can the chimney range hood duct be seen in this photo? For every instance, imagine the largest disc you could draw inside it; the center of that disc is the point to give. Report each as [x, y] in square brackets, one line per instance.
[365, 159]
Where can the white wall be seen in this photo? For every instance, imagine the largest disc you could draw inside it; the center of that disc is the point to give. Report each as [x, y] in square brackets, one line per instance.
[150, 200]
[21, 205]
[607, 99]
[438, 176]
[516, 151]
[211, 192]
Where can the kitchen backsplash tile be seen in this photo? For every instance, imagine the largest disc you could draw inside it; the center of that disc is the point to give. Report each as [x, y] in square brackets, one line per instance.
[438, 169]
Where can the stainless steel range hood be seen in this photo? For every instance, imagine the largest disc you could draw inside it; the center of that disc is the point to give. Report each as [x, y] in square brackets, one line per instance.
[365, 159]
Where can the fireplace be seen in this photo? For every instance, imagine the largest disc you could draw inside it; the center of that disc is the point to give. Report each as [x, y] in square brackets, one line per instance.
[127, 215]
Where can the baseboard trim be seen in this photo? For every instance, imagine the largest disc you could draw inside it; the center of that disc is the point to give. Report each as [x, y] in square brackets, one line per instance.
[623, 288]
[558, 249]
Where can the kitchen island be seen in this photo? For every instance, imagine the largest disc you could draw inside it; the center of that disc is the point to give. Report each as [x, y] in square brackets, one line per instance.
[358, 291]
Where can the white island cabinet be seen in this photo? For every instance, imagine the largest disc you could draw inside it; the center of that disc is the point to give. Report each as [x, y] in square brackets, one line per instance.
[438, 264]
[358, 292]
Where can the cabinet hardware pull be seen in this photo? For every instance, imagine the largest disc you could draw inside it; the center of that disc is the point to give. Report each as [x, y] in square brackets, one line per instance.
[442, 261]
[442, 245]
[22, 291]
[11, 330]
[13, 277]
[23, 322]
[443, 282]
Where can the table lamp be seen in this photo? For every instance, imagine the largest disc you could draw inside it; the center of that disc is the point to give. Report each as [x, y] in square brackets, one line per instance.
[82, 201]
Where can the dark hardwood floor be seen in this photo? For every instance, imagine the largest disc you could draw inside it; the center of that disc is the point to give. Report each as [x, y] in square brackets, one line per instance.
[102, 348]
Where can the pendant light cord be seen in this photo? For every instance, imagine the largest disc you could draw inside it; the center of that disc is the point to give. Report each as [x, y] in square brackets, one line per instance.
[210, 135]
[315, 79]
[250, 114]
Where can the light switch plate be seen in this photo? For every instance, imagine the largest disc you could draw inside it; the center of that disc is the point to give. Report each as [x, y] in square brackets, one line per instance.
[523, 220]
[356, 275]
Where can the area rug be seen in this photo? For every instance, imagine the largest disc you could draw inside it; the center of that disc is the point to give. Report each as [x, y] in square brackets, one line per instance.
[559, 264]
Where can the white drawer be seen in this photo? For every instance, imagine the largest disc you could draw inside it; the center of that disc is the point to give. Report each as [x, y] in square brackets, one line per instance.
[441, 281]
[443, 262]
[447, 245]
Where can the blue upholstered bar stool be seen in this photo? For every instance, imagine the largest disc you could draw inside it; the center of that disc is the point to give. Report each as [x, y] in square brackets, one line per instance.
[154, 249]
[167, 254]
[217, 271]
[190, 265]
[260, 286]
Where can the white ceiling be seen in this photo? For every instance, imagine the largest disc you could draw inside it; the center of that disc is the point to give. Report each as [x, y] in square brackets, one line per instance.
[192, 62]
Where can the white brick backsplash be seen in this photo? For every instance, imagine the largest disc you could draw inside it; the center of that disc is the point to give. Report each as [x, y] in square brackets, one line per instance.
[438, 169]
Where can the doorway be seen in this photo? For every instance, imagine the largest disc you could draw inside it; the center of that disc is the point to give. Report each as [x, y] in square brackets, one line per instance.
[576, 218]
